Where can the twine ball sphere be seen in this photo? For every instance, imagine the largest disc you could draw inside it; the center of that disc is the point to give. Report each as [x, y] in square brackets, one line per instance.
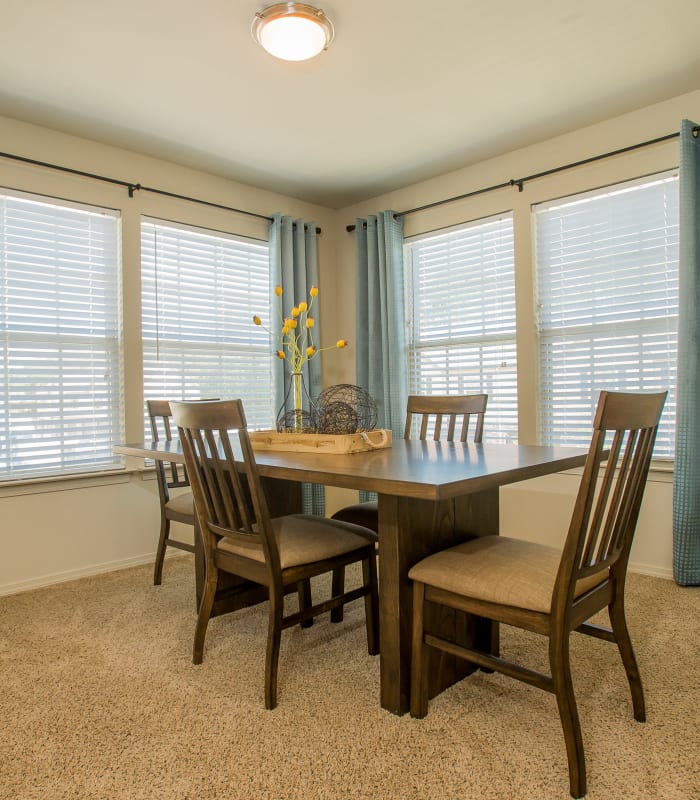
[345, 408]
[295, 421]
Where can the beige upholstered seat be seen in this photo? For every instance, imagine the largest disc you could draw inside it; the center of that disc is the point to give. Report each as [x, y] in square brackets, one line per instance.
[239, 537]
[544, 590]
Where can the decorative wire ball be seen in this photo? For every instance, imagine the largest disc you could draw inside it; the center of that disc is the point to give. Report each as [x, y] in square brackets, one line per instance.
[345, 408]
[297, 421]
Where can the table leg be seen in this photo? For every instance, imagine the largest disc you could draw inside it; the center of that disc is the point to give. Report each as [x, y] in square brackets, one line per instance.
[409, 530]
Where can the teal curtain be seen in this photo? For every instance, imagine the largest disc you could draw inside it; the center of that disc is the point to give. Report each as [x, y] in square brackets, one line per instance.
[686, 477]
[294, 267]
[380, 325]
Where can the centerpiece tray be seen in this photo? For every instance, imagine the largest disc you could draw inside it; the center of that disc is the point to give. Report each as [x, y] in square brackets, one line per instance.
[320, 442]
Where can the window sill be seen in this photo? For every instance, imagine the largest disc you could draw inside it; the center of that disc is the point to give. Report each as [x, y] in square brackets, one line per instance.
[62, 483]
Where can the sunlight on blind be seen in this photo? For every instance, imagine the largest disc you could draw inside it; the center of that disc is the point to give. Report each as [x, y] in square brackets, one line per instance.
[200, 290]
[60, 374]
[460, 290]
[607, 275]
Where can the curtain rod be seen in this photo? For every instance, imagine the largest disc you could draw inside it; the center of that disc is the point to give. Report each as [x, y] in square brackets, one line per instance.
[519, 182]
[134, 187]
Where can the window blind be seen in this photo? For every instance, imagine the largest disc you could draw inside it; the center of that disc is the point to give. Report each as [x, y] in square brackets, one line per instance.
[200, 290]
[60, 364]
[607, 278]
[461, 318]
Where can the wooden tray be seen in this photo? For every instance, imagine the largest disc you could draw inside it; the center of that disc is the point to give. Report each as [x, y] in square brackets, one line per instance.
[321, 442]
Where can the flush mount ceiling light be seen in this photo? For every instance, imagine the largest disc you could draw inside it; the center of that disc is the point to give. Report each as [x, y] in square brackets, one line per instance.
[292, 31]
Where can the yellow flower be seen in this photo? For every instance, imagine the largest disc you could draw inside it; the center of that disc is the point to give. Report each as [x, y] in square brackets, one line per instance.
[296, 339]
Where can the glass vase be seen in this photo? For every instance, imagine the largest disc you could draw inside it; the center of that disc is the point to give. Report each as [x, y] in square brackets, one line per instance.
[297, 413]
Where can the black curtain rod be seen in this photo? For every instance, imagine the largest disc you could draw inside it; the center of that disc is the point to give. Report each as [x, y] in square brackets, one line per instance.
[134, 187]
[519, 182]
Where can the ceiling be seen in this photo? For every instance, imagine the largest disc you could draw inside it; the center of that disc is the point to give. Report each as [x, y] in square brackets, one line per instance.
[408, 90]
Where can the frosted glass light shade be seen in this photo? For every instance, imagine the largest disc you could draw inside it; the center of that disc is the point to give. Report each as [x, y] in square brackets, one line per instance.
[292, 31]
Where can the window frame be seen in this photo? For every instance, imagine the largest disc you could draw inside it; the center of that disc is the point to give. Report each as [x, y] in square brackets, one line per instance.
[661, 462]
[507, 429]
[66, 339]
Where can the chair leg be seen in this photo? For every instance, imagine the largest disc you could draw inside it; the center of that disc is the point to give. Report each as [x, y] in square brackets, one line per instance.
[160, 550]
[272, 656]
[618, 623]
[419, 673]
[337, 588]
[304, 593]
[205, 606]
[568, 713]
[369, 576]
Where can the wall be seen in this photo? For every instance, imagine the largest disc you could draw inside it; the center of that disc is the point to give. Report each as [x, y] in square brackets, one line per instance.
[538, 509]
[62, 529]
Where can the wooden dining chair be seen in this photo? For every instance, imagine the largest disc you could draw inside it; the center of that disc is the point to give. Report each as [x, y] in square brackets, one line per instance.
[239, 536]
[430, 416]
[177, 508]
[438, 417]
[547, 591]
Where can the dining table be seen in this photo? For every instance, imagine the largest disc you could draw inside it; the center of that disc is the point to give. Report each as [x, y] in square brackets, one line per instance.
[431, 495]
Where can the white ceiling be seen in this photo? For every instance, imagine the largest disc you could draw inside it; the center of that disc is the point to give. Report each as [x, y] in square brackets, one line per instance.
[407, 90]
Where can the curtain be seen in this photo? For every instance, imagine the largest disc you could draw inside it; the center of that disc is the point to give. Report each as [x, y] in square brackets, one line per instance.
[686, 477]
[294, 267]
[380, 326]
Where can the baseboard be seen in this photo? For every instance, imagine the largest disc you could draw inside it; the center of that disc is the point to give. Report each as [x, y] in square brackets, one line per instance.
[652, 570]
[75, 574]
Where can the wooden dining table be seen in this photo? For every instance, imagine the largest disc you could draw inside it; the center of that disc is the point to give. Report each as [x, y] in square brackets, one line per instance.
[431, 495]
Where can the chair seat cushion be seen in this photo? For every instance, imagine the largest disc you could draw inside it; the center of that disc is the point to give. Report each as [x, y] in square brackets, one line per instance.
[497, 569]
[182, 503]
[365, 514]
[303, 538]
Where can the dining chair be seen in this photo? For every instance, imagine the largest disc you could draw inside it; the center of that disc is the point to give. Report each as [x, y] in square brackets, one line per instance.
[425, 415]
[177, 508]
[429, 416]
[545, 590]
[239, 536]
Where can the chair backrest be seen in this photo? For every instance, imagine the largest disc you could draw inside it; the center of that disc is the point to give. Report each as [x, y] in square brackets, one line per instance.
[611, 490]
[173, 475]
[456, 408]
[228, 494]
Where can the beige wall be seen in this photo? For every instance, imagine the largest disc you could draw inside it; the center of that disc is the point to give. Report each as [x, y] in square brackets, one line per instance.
[66, 529]
[539, 509]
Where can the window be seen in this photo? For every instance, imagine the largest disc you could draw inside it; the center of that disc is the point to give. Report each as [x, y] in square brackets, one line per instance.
[60, 360]
[200, 290]
[461, 318]
[607, 277]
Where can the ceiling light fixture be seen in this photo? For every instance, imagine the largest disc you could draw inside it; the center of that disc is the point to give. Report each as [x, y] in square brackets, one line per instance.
[292, 31]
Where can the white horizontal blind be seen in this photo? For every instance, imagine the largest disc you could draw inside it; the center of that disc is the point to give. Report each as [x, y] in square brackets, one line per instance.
[60, 360]
[199, 292]
[607, 277]
[461, 318]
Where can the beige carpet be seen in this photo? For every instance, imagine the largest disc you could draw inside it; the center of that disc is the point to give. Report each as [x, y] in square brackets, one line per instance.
[100, 700]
